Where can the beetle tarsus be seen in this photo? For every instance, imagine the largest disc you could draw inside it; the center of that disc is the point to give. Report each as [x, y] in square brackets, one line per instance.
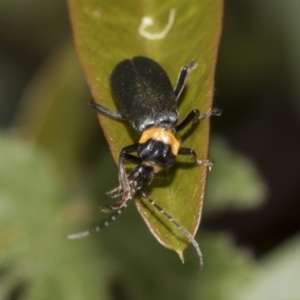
[208, 114]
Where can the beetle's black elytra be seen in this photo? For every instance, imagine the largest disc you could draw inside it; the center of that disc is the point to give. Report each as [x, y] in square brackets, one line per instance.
[146, 99]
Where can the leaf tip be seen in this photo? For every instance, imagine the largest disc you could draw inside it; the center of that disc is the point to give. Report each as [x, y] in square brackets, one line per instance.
[180, 254]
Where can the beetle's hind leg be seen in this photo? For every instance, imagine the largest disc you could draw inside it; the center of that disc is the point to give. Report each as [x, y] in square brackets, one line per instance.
[182, 77]
[105, 111]
[195, 117]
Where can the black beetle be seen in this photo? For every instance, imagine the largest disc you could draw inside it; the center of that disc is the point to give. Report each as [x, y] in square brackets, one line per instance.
[146, 99]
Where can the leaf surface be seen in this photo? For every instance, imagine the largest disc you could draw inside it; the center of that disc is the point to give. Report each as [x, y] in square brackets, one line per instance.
[106, 33]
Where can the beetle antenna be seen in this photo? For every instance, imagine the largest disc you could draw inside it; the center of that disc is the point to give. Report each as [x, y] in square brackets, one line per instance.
[97, 228]
[178, 226]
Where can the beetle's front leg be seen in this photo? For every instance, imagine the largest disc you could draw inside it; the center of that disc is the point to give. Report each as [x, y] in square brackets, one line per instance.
[125, 156]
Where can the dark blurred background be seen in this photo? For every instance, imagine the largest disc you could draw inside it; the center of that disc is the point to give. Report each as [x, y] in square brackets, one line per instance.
[257, 86]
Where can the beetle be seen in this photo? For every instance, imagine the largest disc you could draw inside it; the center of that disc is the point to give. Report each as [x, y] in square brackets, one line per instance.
[147, 100]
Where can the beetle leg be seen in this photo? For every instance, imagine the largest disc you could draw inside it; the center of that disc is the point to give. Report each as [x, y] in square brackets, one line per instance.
[195, 159]
[105, 111]
[194, 114]
[182, 77]
[117, 191]
[212, 112]
[195, 117]
[117, 206]
[124, 155]
[131, 158]
[122, 190]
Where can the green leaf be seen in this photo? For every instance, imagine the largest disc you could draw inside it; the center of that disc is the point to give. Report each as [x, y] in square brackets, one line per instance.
[235, 182]
[277, 275]
[107, 33]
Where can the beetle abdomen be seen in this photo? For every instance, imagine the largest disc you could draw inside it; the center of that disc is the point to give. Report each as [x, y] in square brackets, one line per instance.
[144, 93]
